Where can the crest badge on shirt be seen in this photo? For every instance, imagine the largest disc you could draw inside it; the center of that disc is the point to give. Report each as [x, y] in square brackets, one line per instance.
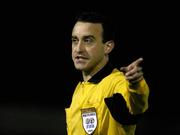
[89, 119]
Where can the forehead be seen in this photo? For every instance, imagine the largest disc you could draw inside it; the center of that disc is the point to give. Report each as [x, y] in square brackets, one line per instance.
[86, 28]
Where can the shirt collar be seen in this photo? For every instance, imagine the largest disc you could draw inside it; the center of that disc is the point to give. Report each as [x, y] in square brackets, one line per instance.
[105, 71]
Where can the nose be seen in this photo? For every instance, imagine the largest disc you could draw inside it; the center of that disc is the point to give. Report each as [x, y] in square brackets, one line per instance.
[79, 47]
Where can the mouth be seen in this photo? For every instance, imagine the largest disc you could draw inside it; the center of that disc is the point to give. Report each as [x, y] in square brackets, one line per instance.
[80, 59]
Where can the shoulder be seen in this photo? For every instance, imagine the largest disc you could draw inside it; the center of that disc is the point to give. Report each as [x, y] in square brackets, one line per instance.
[115, 76]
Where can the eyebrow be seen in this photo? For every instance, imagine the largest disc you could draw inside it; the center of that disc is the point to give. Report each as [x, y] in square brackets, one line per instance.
[73, 36]
[84, 37]
[89, 36]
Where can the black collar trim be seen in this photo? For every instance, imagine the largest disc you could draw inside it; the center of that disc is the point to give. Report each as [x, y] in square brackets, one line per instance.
[105, 71]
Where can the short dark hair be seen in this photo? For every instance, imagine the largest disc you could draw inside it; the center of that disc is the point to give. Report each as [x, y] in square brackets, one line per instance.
[96, 17]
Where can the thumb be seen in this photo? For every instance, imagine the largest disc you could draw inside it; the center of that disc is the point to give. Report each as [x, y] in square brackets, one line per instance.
[124, 69]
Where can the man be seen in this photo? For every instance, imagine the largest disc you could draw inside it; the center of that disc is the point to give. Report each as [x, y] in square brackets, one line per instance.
[104, 101]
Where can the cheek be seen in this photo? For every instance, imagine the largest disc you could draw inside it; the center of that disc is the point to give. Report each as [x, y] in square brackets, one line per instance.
[72, 51]
[99, 50]
[72, 55]
[97, 53]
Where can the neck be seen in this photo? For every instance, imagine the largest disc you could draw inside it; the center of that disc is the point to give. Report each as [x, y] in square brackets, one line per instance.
[89, 74]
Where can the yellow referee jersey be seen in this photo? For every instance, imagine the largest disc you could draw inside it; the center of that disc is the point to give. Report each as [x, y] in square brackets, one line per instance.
[89, 114]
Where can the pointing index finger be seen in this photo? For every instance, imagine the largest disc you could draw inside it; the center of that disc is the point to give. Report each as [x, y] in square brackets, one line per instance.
[138, 61]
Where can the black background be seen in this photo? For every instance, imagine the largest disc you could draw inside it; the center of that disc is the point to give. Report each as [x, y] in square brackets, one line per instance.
[37, 74]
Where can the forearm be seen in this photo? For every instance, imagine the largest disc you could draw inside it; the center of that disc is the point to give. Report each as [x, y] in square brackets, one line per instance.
[138, 97]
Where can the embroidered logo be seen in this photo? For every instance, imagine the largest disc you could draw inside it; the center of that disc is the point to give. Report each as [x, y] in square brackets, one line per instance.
[89, 119]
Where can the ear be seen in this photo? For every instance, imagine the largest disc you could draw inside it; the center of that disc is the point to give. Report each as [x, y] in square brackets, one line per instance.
[109, 46]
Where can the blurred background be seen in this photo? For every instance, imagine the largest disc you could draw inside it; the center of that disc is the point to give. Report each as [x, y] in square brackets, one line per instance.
[38, 77]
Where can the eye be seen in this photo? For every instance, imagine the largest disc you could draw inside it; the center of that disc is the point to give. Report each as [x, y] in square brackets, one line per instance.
[88, 40]
[74, 41]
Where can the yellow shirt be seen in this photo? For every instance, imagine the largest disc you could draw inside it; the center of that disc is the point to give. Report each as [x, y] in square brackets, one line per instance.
[89, 114]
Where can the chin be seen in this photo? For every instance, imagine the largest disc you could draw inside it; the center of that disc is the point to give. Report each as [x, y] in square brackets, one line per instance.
[79, 67]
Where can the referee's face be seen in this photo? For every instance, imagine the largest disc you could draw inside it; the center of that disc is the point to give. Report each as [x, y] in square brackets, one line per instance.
[88, 50]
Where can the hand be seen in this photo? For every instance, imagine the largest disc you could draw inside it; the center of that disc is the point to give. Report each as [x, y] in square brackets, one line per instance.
[133, 72]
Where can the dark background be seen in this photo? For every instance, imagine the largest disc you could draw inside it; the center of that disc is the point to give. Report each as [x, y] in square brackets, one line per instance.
[37, 74]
